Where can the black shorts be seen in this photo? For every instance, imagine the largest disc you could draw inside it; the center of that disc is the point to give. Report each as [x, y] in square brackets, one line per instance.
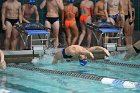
[12, 21]
[52, 19]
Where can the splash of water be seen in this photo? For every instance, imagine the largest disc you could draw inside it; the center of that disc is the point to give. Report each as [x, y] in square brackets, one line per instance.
[35, 60]
[119, 57]
[4, 91]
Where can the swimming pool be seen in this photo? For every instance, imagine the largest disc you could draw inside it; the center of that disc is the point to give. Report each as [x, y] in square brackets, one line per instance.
[70, 77]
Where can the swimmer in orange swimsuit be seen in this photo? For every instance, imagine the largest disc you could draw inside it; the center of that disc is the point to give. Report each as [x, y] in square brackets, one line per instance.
[84, 17]
[71, 12]
[86, 13]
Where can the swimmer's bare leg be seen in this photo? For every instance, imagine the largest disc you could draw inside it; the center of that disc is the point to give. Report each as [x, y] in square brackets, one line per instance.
[55, 28]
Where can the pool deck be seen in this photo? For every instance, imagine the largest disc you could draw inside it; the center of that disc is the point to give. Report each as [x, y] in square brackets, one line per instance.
[25, 56]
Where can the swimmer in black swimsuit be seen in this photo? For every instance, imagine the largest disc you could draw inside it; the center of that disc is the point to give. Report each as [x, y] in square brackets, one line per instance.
[52, 17]
[64, 54]
[11, 15]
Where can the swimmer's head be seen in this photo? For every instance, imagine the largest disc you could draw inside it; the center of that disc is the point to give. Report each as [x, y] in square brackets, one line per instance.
[83, 57]
[83, 60]
[31, 2]
[71, 1]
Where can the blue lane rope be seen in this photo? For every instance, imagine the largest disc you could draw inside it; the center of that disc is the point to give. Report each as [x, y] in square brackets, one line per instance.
[103, 79]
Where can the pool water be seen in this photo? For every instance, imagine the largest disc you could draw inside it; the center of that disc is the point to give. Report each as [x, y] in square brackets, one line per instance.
[18, 80]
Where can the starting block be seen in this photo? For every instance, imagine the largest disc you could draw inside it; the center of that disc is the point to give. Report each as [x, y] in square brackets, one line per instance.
[111, 46]
[104, 28]
[38, 47]
[28, 30]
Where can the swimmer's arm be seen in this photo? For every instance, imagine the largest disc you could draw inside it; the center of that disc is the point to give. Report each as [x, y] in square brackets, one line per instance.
[20, 13]
[3, 14]
[91, 55]
[37, 15]
[88, 53]
[62, 17]
[106, 14]
[100, 48]
[1, 56]
[122, 9]
[105, 10]
[42, 5]
[96, 10]
[104, 49]
[61, 7]
[130, 9]
[134, 14]
[81, 7]
[2, 61]
[91, 49]
[60, 4]
[65, 11]
[77, 13]
[23, 19]
[92, 8]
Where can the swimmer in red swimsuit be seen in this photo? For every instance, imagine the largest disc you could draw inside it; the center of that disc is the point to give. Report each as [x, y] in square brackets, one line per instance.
[71, 12]
[86, 13]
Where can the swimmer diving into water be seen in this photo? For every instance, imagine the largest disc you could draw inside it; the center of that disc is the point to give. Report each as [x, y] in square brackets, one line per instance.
[77, 52]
